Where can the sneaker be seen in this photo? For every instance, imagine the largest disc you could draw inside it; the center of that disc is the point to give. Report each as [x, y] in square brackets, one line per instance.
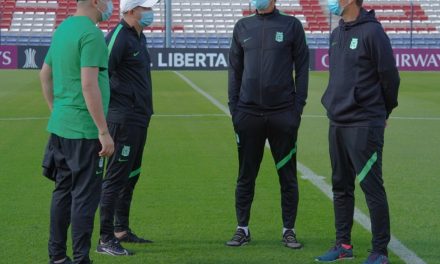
[67, 260]
[376, 258]
[338, 252]
[112, 248]
[130, 237]
[289, 240]
[239, 238]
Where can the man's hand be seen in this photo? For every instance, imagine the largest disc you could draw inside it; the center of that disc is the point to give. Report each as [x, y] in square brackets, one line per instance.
[107, 144]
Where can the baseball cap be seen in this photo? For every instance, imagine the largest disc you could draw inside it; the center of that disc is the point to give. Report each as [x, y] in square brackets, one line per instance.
[127, 5]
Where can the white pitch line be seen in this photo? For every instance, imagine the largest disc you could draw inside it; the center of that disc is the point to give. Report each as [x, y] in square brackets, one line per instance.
[407, 255]
[415, 118]
[209, 115]
[205, 94]
[392, 117]
[23, 118]
[189, 115]
[395, 245]
[155, 115]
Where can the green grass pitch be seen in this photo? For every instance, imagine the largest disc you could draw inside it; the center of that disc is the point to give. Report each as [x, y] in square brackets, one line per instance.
[184, 200]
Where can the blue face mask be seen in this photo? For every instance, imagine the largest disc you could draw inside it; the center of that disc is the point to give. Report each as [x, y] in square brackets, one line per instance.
[147, 18]
[260, 4]
[105, 15]
[334, 7]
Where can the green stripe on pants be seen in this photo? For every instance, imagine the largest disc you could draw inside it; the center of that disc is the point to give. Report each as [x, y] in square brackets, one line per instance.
[286, 159]
[135, 173]
[367, 167]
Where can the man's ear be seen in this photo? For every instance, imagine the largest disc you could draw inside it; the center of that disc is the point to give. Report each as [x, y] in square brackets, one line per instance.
[94, 2]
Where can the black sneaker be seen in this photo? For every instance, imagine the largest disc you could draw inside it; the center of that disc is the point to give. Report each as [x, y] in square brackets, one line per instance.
[289, 240]
[239, 238]
[67, 260]
[376, 258]
[112, 248]
[131, 237]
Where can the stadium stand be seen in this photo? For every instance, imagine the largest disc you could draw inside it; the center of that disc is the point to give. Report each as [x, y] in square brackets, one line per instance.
[209, 24]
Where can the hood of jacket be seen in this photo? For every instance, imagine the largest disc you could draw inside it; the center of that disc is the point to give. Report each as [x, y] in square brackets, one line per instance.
[364, 17]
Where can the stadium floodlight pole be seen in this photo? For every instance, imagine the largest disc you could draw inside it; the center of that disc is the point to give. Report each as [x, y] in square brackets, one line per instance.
[411, 24]
[168, 23]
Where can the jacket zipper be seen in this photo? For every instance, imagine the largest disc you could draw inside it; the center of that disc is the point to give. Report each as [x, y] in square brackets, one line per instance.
[341, 32]
[261, 63]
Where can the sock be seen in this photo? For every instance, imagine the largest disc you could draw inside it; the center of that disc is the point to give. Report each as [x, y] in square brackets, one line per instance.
[285, 229]
[245, 228]
[59, 261]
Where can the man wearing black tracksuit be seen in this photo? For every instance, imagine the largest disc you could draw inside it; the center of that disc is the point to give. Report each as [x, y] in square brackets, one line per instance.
[361, 93]
[128, 117]
[266, 102]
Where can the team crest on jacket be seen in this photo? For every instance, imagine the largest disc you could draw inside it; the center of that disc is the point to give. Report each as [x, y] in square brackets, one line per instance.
[279, 37]
[101, 162]
[125, 151]
[354, 43]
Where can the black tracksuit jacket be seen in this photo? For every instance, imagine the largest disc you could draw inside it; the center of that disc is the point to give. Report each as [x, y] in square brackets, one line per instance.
[264, 51]
[364, 81]
[130, 77]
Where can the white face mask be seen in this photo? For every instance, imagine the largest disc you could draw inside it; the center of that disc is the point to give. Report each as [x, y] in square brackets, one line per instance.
[334, 7]
[260, 4]
[147, 18]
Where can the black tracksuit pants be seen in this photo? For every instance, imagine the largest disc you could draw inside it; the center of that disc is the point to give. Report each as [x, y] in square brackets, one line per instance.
[78, 174]
[357, 152]
[123, 170]
[252, 131]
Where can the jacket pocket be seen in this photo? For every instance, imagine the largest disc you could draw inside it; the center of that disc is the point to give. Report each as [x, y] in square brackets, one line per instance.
[340, 104]
[357, 99]
[368, 95]
[326, 99]
[132, 96]
[234, 116]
